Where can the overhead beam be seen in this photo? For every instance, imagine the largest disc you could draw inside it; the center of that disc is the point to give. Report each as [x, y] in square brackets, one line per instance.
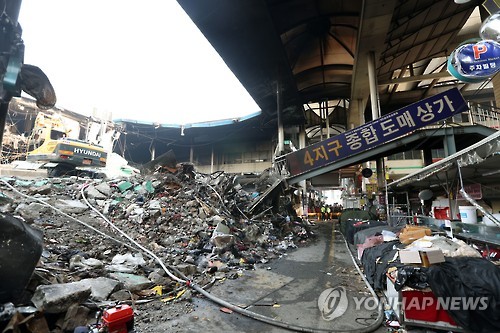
[375, 20]
[376, 17]
[415, 78]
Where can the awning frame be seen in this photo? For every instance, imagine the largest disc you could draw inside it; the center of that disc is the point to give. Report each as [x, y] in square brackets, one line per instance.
[475, 154]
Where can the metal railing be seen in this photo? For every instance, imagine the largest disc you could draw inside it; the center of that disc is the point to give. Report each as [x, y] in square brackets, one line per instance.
[479, 114]
[280, 166]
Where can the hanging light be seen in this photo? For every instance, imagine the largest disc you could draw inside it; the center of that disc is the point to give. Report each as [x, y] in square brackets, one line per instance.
[490, 28]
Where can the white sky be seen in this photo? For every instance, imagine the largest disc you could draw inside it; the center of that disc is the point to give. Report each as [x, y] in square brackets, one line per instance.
[142, 60]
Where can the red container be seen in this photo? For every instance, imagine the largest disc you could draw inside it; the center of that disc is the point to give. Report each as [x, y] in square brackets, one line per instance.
[413, 310]
[119, 319]
[442, 213]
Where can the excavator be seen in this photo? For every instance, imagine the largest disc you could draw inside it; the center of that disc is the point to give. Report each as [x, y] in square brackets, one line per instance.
[60, 154]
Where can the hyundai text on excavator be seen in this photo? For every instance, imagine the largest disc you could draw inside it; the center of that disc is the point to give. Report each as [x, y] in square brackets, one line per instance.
[60, 154]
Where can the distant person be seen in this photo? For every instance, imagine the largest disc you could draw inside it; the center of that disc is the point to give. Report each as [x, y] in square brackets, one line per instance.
[372, 210]
[317, 210]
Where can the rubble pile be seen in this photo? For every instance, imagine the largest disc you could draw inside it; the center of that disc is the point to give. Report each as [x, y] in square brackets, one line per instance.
[206, 227]
[13, 145]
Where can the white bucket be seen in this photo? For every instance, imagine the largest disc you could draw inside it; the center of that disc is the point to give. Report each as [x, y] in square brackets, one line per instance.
[468, 214]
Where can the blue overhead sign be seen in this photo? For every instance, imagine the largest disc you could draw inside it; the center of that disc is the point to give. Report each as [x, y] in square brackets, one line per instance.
[475, 61]
[377, 132]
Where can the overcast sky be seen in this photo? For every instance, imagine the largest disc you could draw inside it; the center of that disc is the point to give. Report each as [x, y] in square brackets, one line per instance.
[142, 60]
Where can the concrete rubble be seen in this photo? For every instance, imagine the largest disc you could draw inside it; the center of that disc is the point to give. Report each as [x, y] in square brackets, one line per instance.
[208, 227]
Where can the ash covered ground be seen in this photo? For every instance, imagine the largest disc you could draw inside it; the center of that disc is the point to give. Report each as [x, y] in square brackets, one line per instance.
[206, 228]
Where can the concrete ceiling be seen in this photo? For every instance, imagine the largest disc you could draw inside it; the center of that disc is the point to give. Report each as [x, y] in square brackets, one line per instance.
[316, 50]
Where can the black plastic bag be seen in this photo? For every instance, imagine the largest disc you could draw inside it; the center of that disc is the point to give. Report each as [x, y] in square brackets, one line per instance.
[20, 250]
[473, 280]
[411, 276]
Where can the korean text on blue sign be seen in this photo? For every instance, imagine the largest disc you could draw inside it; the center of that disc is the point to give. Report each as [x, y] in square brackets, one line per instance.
[481, 59]
[377, 132]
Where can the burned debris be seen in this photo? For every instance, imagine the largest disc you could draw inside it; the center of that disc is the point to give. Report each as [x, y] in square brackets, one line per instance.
[205, 227]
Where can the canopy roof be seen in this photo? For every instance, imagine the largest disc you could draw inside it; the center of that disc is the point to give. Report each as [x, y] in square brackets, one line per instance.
[314, 51]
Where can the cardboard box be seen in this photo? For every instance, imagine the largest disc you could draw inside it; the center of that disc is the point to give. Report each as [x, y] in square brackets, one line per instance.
[421, 256]
[409, 256]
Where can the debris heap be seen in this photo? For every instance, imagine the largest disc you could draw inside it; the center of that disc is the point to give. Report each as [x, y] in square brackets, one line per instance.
[205, 227]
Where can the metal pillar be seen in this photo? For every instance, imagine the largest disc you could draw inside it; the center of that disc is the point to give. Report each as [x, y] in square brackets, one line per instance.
[449, 143]
[375, 105]
[281, 131]
[303, 183]
[212, 160]
[372, 77]
[327, 120]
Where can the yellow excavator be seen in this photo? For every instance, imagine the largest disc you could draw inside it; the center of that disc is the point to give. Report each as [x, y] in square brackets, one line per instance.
[60, 154]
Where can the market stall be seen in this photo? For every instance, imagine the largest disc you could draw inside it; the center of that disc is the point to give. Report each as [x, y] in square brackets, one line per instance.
[431, 280]
[440, 268]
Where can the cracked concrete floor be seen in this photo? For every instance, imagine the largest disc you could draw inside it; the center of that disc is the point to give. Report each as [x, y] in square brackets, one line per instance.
[286, 289]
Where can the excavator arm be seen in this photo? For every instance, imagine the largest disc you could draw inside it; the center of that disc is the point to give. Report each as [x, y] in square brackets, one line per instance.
[15, 76]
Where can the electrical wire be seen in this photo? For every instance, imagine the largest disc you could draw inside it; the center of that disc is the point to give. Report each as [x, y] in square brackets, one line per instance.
[67, 215]
[184, 280]
[220, 198]
[150, 253]
[372, 327]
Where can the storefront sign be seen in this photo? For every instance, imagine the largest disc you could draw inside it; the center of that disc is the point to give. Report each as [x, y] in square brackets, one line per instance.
[376, 132]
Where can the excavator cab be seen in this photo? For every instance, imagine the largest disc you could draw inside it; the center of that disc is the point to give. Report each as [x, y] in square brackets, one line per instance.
[60, 154]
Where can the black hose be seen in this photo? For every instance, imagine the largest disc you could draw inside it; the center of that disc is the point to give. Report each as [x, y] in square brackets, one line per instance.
[372, 327]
